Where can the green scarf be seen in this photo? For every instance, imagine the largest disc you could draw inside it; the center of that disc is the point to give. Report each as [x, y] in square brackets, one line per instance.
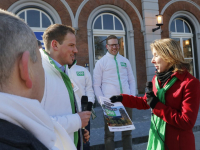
[70, 91]
[154, 142]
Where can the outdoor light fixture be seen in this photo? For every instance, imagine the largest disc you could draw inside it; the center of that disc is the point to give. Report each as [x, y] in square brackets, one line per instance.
[159, 22]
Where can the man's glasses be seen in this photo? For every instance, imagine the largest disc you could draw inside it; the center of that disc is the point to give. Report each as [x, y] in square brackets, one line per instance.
[113, 45]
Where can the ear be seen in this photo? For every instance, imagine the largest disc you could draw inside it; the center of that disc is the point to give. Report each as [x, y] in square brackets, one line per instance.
[54, 45]
[106, 46]
[24, 69]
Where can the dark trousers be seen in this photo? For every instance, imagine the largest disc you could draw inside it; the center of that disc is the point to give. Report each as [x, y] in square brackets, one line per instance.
[79, 142]
[126, 136]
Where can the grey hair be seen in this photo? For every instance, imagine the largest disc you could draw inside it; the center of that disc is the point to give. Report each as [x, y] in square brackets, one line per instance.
[15, 38]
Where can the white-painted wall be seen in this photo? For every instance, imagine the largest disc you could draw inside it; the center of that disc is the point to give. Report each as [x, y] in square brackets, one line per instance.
[149, 10]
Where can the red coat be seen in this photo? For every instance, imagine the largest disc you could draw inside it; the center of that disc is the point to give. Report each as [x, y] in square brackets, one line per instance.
[179, 111]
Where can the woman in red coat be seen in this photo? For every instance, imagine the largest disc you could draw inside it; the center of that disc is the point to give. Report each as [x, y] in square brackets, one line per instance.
[174, 99]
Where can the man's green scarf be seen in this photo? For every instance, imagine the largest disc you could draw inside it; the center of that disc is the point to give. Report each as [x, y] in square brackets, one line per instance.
[154, 142]
[70, 91]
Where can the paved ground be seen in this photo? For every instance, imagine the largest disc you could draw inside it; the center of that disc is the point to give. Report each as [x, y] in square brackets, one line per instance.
[144, 145]
[141, 120]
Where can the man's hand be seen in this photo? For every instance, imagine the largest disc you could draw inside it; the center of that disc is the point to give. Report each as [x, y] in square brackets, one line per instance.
[116, 98]
[86, 136]
[85, 117]
[152, 100]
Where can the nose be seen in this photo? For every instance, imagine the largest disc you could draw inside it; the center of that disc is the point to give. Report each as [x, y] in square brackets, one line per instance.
[152, 60]
[75, 50]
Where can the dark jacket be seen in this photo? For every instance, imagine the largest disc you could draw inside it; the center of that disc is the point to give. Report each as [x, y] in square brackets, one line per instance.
[179, 111]
[13, 137]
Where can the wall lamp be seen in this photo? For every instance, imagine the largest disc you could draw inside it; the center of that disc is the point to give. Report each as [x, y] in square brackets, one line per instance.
[159, 22]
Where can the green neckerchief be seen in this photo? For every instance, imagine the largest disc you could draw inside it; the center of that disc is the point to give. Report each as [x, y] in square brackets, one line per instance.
[70, 91]
[154, 142]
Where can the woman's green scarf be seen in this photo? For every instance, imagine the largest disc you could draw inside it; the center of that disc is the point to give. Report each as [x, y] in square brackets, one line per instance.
[154, 142]
[68, 85]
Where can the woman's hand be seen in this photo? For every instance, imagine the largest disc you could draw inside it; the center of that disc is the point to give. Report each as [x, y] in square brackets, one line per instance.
[116, 98]
[152, 100]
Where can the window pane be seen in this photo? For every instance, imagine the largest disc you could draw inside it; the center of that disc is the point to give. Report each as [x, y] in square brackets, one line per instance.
[45, 21]
[176, 39]
[22, 15]
[179, 25]
[172, 27]
[108, 22]
[187, 29]
[97, 24]
[39, 37]
[118, 25]
[192, 66]
[121, 46]
[33, 18]
[187, 48]
[100, 46]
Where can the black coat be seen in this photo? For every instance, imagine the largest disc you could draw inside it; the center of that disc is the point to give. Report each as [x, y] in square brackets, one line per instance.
[13, 137]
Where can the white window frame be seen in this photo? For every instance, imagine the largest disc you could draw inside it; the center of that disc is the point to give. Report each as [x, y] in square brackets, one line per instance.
[183, 26]
[102, 32]
[36, 29]
[184, 35]
[195, 23]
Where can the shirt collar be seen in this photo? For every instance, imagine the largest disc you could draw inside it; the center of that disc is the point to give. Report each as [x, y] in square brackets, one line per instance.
[59, 65]
[110, 55]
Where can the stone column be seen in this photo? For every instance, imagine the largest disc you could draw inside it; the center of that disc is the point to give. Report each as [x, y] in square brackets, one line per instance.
[150, 9]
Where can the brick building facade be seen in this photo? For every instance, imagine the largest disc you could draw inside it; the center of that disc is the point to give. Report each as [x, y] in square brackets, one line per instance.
[131, 20]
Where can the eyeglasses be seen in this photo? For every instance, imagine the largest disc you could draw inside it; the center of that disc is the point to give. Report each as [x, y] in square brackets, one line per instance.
[113, 45]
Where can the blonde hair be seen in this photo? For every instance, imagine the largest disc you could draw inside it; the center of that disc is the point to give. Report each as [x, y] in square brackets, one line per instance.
[171, 52]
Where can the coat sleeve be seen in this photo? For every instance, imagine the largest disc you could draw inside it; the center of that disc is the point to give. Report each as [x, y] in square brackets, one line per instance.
[131, 80]
[88, 87]
[63, 140]
[184, 118]
[71, 123]
[134, 101]
[52, 99]
[97, 80]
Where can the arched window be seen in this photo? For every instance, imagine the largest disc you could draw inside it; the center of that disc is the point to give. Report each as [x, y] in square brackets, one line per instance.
[106, 24]
[181, 31]
[37, 19]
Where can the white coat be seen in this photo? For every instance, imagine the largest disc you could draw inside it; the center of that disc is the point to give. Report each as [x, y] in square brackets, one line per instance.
[29, 115]
[110, 73]
[56, 101]
[82, 83]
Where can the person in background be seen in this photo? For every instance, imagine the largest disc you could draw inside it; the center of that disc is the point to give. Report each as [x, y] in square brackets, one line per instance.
[82, 85]
[59, 100]
[174, 99]
[39, 44]
[23, 122]
[112, 76]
